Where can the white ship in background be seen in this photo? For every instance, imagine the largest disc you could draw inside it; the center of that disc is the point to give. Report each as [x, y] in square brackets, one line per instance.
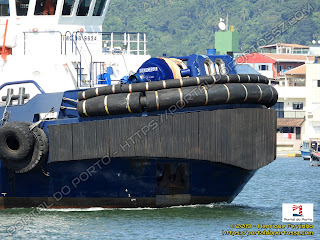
[60, 44]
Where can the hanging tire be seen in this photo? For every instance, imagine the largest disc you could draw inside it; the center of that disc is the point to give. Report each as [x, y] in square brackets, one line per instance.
[16, 141]
[40, 151]
[22, 149]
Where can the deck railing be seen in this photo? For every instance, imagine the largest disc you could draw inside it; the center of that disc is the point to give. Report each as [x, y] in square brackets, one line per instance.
[290, 114]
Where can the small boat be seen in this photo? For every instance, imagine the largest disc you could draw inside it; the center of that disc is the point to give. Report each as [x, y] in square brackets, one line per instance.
[315, 152]
[305, 151]
[308, 146]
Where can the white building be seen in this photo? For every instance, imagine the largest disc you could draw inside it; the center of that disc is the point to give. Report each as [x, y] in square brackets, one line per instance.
[312, 125]
[298, 106]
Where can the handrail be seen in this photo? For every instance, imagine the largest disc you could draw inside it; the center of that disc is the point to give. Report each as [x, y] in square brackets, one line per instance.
[76, 46]
[65, 42]
[22, 82]
[90, 67]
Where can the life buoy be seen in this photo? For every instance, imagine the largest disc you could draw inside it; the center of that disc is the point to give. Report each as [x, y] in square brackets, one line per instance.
[22, 149]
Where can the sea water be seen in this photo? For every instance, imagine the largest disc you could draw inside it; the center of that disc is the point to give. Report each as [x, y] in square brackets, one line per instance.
[257, 208]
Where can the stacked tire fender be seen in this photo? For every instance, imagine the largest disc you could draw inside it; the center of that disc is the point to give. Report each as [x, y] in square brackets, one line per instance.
[22, 149]
[184, 92]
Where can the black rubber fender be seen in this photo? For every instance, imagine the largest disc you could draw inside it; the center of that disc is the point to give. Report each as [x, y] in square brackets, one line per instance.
[16, 141]
[25, 150]
[40, 151]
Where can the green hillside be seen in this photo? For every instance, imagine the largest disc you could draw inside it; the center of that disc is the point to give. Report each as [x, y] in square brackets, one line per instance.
[182, 27]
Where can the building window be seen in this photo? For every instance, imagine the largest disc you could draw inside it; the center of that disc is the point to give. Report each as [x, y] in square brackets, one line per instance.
[280, 68]
[289, 67]
[297, 105]
[297, 82]
[4, 8]
[318, 83]
[286, 129]
[263, 67]
[279, 109]
[298, 132]
[22, 7]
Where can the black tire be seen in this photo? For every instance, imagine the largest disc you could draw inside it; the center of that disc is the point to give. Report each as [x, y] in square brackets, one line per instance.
[16, 142]
[40, 152]
[22, 149]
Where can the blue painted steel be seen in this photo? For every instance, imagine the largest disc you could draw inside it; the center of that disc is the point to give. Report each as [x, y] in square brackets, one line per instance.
[22, 82]
[228, 62]
[305, 154]
[41, 103]
[156, 69]
[104, 78]
[110, 70]
[153, 69]
[118, 177]
[211, 51]
[185, 72]
[196, 64]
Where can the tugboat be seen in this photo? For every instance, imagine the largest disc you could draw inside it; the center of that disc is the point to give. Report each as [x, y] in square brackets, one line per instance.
[179, 131]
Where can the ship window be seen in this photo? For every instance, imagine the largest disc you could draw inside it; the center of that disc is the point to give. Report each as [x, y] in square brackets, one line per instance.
[98, 8]
[68, 7]
[45, 7]
[83, 7]
[4, 8]
[22, 7]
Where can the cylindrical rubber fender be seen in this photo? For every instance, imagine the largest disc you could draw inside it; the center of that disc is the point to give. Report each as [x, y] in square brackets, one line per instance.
[179, 97]
[225, 93]
[94, 92]
[172, 83]
[37, 150]
[110, 105]
[269, 95]
[242, 93]
[240, 78]
[145, 86]
[213, 94]
[16, 141]
[40, 151]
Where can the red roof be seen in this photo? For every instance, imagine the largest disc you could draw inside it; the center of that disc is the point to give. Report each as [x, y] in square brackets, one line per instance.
[289, 57]
[289, 122]
[273, 58]
[298, 70]
[254, 58]
[285, 45]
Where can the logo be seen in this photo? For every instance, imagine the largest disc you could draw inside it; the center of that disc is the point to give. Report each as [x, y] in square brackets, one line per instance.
[297, 212]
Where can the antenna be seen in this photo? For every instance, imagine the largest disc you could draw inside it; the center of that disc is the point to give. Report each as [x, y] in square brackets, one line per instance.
[227, 22]
[222, 25]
